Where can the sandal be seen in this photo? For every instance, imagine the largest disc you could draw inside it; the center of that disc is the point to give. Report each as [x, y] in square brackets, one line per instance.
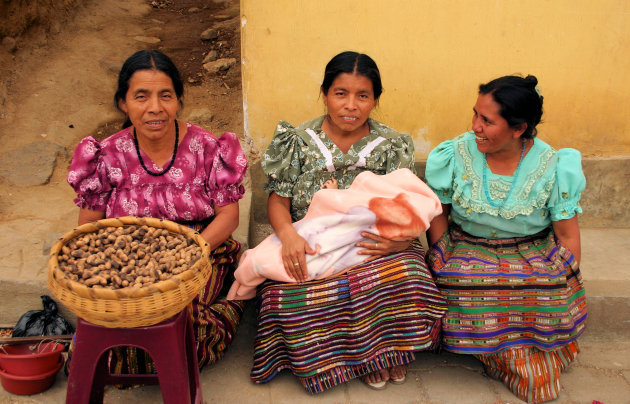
[380, 385]
[399, 380]
[375, 385]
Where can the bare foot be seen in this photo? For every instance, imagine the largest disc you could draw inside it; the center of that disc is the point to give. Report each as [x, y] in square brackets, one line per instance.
[377, 380]
[398, 374]
[331, 184]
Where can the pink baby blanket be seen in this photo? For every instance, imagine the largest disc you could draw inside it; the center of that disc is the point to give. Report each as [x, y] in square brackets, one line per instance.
[397, 206]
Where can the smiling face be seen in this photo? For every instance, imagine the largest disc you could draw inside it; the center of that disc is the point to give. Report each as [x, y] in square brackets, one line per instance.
[350, 100]
[492, 132]
[151, 105]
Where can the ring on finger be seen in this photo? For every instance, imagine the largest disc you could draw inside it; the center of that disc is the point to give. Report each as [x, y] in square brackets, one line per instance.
[376, 246]
[296, 264]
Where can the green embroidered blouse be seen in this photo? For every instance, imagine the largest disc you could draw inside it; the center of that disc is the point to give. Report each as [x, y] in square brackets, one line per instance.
[548, 188]
[299, 160]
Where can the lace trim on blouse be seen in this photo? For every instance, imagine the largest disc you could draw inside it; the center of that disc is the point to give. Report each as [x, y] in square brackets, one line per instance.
[499, 188]
[365, 152]
[328, 158]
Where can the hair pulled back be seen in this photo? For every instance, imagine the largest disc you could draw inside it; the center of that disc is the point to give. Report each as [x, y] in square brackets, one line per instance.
[146, 60]
[353, 63]
[519, 101]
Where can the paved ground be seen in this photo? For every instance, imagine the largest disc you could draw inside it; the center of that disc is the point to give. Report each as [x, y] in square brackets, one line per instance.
[601, 372]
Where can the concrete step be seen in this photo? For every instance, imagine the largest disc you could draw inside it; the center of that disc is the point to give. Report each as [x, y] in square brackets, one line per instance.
[605, 258]
[605, 269]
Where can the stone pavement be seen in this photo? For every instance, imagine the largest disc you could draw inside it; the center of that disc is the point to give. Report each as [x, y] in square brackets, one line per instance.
[601, 372]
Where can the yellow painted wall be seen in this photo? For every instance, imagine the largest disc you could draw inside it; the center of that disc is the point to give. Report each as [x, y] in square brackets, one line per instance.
[433, 54]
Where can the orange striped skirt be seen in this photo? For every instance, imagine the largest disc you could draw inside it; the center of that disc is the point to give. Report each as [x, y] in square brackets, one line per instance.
[531, 374]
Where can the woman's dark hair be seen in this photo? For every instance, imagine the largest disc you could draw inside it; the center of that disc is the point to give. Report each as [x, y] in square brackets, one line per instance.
[146, 60]
[518, 99]
[353, 63]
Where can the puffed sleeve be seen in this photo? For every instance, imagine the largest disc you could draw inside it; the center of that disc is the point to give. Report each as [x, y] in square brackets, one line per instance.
[281, 162]
[401, 154]
[564, 201]
[227, 172]
[439, 171]
[88, 175]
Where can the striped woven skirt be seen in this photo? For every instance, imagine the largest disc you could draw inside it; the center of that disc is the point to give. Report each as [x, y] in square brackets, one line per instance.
[531, 374]
[214, 319]
[505, 293]
[518, 304]
[330, 331]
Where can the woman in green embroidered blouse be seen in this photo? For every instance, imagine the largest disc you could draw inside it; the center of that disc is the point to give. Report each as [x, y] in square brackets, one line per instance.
[367, 322]
[507, 263]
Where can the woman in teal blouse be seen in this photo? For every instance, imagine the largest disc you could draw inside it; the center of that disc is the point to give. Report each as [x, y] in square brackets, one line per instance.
[507, 261]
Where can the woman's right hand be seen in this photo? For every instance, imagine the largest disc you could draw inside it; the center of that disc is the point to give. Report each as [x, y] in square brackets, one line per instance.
[294, 250]
[294, 247]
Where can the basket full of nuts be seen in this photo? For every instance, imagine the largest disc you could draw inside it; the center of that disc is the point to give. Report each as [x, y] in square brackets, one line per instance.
[128, 271]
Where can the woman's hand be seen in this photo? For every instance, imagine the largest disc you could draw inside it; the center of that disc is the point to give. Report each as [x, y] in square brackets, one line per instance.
[294, 250]
[294, 247]
[380, 246]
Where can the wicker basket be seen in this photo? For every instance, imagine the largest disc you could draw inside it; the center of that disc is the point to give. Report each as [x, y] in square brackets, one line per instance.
[129, 307]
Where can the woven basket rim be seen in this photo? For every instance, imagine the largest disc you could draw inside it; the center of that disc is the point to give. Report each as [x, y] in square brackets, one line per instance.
[98, 292]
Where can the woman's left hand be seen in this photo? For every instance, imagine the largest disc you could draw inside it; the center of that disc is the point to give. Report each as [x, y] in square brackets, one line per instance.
[380, 246]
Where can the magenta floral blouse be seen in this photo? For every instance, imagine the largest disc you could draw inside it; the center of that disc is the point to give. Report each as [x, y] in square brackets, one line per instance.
[207, 172]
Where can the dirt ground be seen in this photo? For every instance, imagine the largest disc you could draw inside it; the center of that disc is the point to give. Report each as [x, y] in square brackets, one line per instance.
[58, 81]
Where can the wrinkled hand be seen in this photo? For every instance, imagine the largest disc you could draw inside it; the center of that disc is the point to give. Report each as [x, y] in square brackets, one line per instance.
[380, 246]
[294, 251]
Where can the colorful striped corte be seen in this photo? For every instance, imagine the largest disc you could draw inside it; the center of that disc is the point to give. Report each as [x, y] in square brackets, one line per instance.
[532, 375]
[506, 293]
[333, 330]
[517, 304]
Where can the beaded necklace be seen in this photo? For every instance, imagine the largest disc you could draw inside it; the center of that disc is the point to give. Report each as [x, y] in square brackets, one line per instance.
[135, 143]
[514, 177]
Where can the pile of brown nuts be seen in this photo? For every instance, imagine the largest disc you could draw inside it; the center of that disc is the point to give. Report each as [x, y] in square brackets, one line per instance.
[128, 256]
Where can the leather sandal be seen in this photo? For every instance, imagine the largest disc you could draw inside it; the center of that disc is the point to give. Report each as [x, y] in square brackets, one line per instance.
[374, 385]
[399, 380]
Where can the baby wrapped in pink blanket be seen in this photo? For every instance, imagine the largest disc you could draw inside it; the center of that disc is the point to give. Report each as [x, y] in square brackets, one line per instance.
[397, 206]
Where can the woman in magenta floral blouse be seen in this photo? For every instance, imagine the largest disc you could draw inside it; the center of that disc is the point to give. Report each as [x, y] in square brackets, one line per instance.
[159, 167]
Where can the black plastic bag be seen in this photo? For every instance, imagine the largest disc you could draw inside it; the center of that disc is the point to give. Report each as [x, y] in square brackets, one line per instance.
[42, 322]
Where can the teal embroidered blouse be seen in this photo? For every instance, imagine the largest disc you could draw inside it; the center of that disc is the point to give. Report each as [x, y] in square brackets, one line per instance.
[548, 188]
[299, 160]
